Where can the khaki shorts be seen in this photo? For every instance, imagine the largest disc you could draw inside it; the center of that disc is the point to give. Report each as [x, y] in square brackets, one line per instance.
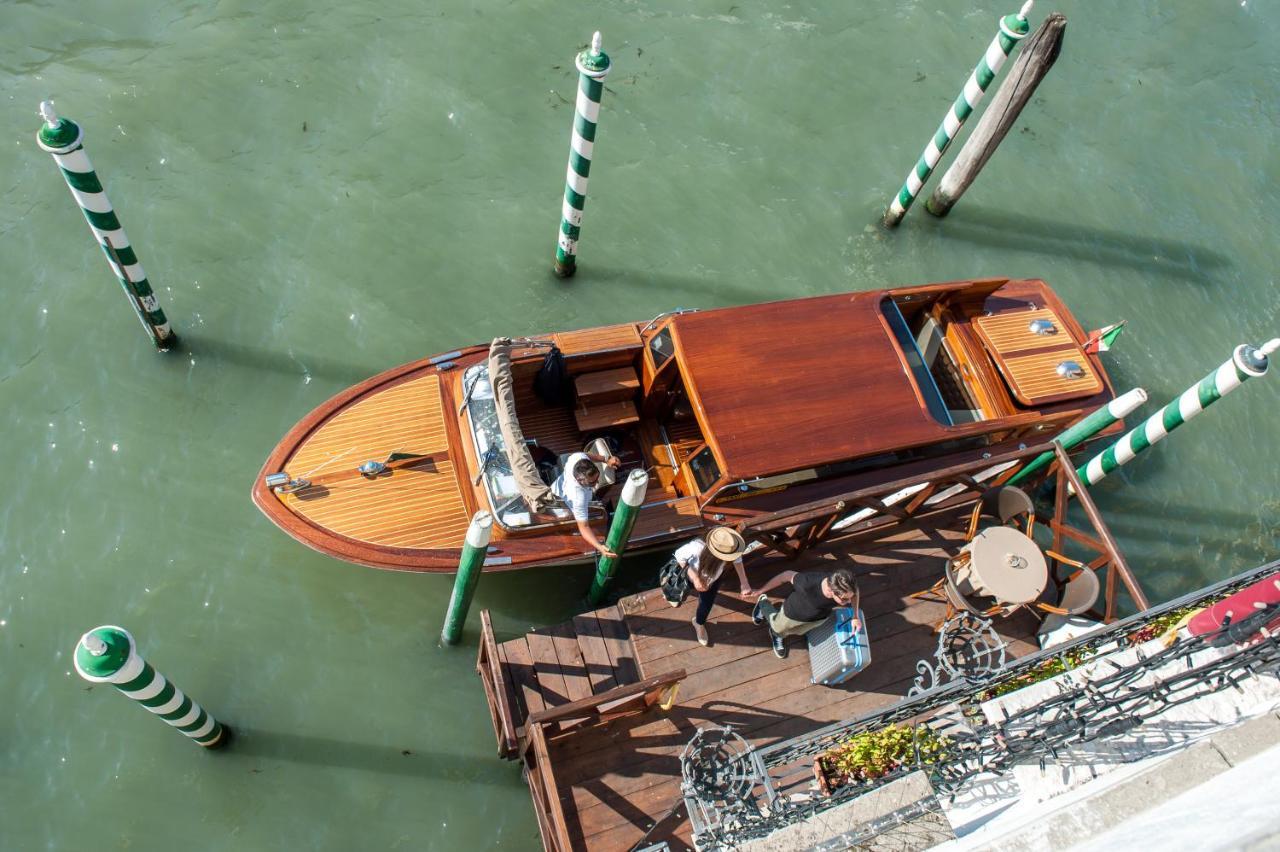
[784, 626]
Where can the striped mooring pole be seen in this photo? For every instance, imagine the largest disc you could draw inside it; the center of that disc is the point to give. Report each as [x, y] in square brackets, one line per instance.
[1246, 362]
[1101, 417]
[108, 655]
[593, 67]
[619, 532]
[1013, 28]
[64, 139]
[470, 567]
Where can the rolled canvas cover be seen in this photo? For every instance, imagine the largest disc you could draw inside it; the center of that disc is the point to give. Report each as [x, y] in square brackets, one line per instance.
[530, 485]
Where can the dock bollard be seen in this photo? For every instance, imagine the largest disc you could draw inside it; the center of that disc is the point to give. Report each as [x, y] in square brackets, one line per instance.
[1013, 28]
[1099, 419]
[619, 532]
[63, 138]
[108, 655]
[1246, 362]
[593, 66]
[470, 567]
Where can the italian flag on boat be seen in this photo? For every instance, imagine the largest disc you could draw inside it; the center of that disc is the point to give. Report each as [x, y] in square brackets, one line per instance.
[1101, 339]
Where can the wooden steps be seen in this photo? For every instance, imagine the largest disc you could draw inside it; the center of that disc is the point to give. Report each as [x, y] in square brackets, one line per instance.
[607, 386]
[550, 667]
[606, 399]
[609, 415]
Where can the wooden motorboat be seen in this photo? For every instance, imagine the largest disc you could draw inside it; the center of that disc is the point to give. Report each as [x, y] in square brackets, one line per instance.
[733, 411]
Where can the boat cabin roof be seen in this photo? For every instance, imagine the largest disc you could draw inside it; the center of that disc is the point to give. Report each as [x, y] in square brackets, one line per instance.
[789, 385]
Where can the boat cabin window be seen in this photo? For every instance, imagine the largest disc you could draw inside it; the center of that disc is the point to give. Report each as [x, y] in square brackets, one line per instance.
[703, 469]
[661, 348]
[933, 365]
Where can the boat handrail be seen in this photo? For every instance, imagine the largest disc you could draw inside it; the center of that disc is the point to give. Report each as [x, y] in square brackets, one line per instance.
[671, 313]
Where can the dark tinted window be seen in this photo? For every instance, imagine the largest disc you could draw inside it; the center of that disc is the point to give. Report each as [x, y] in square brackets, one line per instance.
[661, 348]
[704, 469]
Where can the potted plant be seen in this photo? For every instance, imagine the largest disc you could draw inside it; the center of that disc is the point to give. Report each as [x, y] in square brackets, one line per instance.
[870, 755]
[1051, 667]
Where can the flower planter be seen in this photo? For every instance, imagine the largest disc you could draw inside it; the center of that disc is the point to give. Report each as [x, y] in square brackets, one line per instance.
[869, 756]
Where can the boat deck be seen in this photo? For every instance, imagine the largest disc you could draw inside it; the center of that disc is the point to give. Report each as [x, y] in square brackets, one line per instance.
[607, 781]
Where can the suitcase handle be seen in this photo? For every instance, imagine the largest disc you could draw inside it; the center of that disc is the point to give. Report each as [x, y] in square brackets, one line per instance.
[853, 637]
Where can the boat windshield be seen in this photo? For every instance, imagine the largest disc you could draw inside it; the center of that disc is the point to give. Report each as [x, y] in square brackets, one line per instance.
[510, 509]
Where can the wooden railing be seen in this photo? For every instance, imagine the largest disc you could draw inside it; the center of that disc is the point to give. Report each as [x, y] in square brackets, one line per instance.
[1104, 543]
[610, 704]
[497, 687]
[792, 531]
[905, 503]
[535, 753]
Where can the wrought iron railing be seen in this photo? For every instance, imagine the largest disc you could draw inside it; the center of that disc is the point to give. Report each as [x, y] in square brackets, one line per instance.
[1110, 704]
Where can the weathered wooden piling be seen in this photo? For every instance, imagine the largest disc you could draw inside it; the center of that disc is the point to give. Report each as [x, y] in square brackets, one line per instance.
[619, 532]
[470, 567]
[63, 138]
[1099, 419]
[1037, 56]
[1013, 28]
[1247, 362]
[593, 66]
[108, 654]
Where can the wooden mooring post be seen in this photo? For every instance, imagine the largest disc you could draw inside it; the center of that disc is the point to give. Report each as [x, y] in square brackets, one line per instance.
[1039, 52]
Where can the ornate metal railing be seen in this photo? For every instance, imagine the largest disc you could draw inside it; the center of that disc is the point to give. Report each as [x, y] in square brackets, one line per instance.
[1114, 701]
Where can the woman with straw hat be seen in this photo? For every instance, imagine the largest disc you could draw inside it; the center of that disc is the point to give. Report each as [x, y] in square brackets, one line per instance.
[703, 560]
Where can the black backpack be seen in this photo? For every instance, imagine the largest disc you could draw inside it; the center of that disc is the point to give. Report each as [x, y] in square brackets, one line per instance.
[552, 384]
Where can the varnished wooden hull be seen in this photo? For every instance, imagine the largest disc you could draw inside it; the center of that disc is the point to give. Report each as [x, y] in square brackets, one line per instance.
[414, 517]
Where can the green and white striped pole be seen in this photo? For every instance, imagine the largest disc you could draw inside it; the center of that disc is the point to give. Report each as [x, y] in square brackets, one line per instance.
[624, 519]
[593, 67]
[470, 567]
[63, 138]
[108, 655]
[1013, 28]
[1102, 417]
[1246, 362]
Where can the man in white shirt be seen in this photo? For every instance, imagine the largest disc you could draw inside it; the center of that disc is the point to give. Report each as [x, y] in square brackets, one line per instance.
[576, 486]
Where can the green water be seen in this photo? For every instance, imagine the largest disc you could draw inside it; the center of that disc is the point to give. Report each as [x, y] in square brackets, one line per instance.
[320, 191]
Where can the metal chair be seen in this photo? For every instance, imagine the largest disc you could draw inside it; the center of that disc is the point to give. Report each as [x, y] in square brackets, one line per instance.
[948, 591]
[1008, 503]
[1079, 591]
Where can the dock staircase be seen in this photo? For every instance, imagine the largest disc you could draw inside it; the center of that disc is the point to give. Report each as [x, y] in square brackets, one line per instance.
[542, 686]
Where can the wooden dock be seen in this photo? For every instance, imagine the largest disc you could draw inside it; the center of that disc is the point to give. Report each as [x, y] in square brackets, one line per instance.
[581, 703]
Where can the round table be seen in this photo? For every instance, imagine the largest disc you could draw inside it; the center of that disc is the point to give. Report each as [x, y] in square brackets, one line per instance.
[1006, 565]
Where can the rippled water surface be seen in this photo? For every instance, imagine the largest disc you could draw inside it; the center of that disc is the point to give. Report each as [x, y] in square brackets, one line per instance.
[322, 190]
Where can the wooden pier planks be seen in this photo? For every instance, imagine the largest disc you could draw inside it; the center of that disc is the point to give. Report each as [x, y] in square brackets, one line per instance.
[616, 779]
[552, 666]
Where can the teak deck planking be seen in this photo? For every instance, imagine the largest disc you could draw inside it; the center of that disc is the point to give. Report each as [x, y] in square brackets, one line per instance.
[387, 509]
[616, 779]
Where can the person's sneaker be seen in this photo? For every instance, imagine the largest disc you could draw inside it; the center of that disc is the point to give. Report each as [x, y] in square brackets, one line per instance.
[758, 613]
[671, 602]
[700, 630]
[779, 645]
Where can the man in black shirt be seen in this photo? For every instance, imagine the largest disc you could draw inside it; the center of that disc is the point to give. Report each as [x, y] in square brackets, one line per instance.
[813, 597]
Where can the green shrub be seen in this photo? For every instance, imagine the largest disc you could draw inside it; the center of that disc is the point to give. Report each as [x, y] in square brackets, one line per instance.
[874, 754]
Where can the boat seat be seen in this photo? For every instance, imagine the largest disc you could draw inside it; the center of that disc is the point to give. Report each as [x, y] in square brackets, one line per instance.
[606, 399]
[606, 386]
[609, 415]
[599, 447]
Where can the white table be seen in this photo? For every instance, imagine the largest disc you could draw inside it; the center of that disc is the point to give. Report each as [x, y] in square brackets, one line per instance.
[1006, 565]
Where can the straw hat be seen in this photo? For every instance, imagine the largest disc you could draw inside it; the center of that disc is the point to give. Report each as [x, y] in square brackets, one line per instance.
[725, 543]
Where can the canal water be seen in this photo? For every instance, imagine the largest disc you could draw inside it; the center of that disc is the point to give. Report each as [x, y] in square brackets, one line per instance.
[321, 190]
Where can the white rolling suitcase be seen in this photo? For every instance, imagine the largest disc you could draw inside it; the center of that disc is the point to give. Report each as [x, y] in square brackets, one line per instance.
[836, 651]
